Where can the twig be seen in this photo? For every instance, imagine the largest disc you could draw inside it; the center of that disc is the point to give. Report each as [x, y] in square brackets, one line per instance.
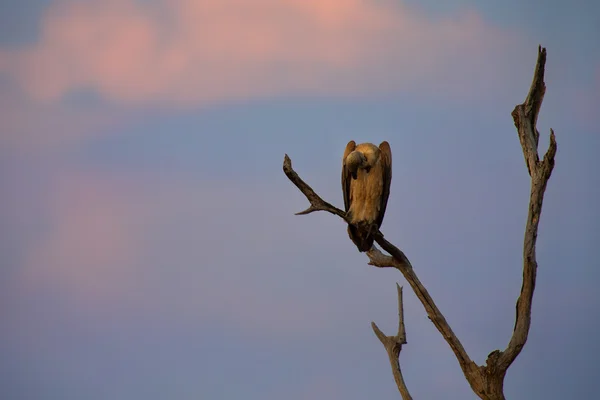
[393, 347]
[316, 202]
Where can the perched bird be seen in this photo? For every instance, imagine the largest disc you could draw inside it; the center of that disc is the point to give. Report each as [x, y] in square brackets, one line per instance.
[366, 179]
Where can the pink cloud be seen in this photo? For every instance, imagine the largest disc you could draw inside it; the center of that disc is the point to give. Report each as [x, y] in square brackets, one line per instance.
[90, 248]
[185, 52]
[115, 244]
[30, 126]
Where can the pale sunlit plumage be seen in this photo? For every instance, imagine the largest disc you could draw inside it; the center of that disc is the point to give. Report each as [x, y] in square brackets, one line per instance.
[366, 179]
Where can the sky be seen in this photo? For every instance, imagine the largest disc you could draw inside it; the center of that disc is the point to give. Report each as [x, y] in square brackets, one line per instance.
[149, 247]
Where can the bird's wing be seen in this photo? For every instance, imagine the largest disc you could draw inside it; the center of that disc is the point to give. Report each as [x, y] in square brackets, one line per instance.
[346, 178]
[386, 167]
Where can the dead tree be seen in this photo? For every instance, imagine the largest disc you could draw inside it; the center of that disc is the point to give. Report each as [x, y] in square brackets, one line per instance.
[487, 380]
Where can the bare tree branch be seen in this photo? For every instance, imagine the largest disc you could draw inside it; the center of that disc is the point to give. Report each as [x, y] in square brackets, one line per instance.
[316, 202]
[393, 347]
[399, 261]
[486, 381]
[525, 116]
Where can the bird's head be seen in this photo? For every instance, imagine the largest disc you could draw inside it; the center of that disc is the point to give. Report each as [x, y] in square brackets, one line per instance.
[354, 161]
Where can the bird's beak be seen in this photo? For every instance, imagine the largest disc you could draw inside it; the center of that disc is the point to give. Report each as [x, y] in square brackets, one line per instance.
[354, 175]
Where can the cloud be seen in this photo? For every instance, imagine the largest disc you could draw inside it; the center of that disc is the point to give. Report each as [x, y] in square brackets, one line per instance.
[120, 244]
[189, 53]
[30, 125]
[90, 247]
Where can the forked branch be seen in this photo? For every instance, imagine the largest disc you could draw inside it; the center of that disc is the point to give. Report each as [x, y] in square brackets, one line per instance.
[525, 117]
[486, 381]
[316, 202]
[397, 260]
[393, 347]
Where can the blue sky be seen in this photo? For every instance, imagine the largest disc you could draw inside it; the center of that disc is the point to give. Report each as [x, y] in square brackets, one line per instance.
[149, 244]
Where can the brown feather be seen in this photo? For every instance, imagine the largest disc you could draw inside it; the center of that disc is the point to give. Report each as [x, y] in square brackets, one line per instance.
[386, 163]
[365, 197]
[346, 178]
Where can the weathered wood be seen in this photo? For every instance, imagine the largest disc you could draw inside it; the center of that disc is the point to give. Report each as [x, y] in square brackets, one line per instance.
[486, 381]
[399, 261]
[316, 202]
[525, 117]
[393, 347]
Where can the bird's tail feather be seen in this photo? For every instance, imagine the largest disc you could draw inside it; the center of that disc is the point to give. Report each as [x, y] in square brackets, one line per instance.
[361, 238]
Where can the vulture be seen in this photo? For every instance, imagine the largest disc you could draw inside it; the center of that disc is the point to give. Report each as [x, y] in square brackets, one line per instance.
[366, 179]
